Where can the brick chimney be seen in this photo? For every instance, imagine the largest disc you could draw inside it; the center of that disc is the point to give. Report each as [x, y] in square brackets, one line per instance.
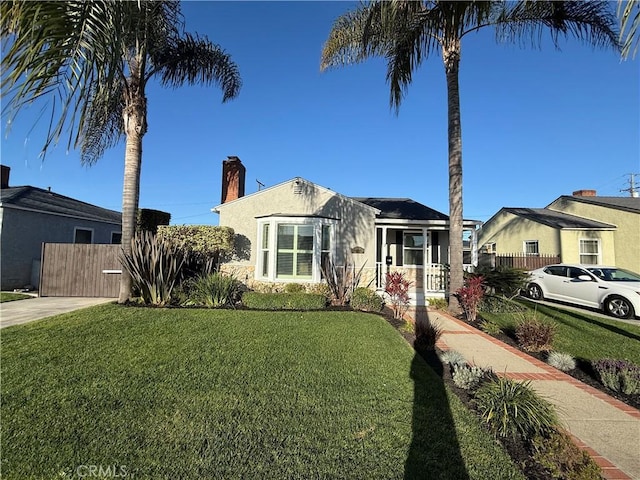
[4, 183]
[584, 193]
[233, 173]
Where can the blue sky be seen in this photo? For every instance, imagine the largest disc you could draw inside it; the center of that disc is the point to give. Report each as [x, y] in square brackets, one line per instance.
[536, 123]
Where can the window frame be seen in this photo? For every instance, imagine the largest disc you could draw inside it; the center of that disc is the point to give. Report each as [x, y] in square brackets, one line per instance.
[116, 233]
[267, 251]
[422, 248]
[598, 253]
[526, 243]
[82, 229]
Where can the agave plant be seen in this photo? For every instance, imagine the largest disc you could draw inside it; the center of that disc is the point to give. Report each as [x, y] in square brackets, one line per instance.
[154, 267]
[342, 280]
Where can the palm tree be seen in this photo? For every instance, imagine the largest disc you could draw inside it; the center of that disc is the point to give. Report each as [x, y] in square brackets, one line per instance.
[91, 63]
[407, 32]
[629, 22]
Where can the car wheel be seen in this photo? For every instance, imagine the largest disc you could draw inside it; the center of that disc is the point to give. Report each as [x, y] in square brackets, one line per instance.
[618, 307]
[535, 292]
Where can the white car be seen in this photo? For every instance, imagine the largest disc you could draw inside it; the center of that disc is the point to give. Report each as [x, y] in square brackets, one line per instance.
[613, 290]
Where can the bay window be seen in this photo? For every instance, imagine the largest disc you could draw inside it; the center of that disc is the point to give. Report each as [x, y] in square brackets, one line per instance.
[293, 249]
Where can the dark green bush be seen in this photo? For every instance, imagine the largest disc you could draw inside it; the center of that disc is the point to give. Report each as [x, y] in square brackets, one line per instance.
[367, 300]
[214, 290]
[149, 220]
[505, 281]
[284, 301]
[496, 304]
[294, 288]
[512, 408]
[562, 458]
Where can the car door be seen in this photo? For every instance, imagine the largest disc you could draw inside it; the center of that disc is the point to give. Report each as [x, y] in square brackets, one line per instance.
[553, 279]
[577, 290]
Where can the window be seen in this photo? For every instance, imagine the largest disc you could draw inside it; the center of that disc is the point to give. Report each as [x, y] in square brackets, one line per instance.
[293, 249]
[82, 235]
[467, 242]
[413, 248]
[264, 249]
[589, 252]
[116, 238]
[490, 247]
[531, 247]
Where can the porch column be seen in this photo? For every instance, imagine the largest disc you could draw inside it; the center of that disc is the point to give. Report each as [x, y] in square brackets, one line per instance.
[425, 261]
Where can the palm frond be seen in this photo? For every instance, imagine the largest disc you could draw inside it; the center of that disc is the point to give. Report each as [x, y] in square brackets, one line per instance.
[58, 50]
[591, 22]
[192, 60]
[629, 24]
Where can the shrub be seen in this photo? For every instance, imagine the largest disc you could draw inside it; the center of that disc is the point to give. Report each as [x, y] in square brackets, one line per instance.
[367, 300]
[467, 377]
[342, 280]
[618, 375]
[510, 408]
[534, 335]
[490, 328]
[494, 304]
[284, 301]
[215, 290]
[148, 219]
[294, 288]
[438, 303]
[505, 281]
[154, 266]
[397, 288]
[562, 361]
[452, 357]
[427, 335]
[470, 296]
[557, 453]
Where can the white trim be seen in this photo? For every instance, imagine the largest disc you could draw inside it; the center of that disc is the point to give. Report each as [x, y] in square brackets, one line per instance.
[273, 222]
[598, 254]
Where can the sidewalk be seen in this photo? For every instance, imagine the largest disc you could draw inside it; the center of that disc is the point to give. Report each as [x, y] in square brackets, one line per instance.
[28, 310]
[606, 428]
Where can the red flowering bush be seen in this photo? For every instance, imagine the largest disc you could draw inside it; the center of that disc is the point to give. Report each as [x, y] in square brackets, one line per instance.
[471, 295]
[397, 287]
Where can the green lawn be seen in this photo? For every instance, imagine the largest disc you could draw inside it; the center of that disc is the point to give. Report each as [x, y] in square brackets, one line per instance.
[10, 296]
[580, 334]
[170, 393]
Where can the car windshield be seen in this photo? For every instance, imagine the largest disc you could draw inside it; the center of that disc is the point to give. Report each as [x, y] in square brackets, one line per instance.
[615, 274]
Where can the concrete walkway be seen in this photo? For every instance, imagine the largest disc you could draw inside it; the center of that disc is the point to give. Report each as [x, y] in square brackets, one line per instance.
[606, 428]
[28, 310]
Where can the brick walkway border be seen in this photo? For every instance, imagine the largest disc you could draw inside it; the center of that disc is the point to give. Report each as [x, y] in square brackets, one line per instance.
[609, 470]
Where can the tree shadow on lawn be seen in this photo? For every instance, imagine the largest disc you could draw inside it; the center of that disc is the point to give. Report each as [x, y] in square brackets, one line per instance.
[434, 451]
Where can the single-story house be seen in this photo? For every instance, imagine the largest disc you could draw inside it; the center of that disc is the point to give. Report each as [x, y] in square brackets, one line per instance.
[31, 216]
[290, 229]
[579, 228]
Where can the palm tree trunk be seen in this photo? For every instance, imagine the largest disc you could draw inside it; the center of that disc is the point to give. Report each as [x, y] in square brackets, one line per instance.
[135, 122]
[451, 57]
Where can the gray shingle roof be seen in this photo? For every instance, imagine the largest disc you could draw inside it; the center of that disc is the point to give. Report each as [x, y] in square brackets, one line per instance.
[556, 219]
[402, 209]
[37, 199]
[629, 204]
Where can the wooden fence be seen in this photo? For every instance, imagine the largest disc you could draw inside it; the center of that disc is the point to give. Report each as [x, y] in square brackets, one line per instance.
[517, 260]
[80, 270]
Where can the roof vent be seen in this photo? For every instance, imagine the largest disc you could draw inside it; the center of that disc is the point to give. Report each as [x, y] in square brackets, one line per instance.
[297, 186]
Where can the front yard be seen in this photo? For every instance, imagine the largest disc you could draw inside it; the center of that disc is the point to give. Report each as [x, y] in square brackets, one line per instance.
[185, 393]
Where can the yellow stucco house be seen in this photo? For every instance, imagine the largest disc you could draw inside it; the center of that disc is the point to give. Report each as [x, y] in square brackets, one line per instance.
[290, 229]
[580, 228]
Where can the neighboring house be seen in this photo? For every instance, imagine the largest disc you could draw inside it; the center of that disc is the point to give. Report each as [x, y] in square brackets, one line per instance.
[291, 229]
[31, 216]
[581, 228]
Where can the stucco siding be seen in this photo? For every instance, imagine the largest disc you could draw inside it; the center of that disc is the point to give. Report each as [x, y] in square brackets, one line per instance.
[623, 250]
[354, 222]
[22, 234]
[509, 232]
[570, 252]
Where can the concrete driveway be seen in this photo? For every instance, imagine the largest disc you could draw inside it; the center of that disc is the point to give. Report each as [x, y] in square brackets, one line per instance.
[586, 310]
[28, 310]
